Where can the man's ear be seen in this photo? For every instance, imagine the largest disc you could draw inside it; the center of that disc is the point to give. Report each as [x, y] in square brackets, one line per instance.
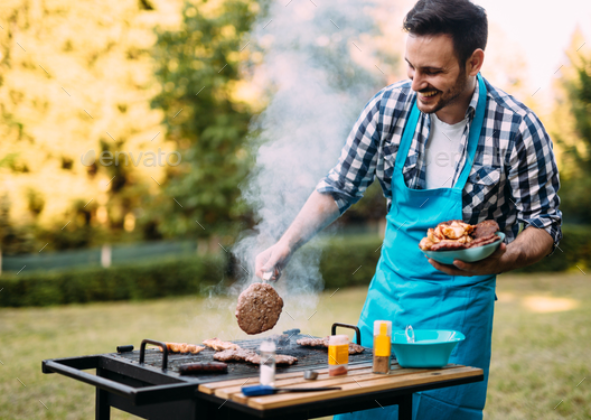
[474, 63]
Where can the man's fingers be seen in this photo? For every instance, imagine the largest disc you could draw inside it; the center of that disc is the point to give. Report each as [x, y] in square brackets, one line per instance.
[463, 265]
[272, 265]
[272, 260]
[474, 267]
[449, 269]
[259, 264]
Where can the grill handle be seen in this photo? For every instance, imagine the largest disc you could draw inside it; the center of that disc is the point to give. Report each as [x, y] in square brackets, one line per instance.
[333, 330]
[160, 344]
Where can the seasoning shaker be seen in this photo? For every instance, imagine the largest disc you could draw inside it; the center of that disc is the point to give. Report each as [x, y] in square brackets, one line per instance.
[338, 355]
[382, 349]
[267, 349]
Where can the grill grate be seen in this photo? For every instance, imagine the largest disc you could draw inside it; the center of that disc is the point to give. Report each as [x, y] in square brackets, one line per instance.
[308, 358]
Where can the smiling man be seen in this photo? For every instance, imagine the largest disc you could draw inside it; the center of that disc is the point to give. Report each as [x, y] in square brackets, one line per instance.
[505, 171]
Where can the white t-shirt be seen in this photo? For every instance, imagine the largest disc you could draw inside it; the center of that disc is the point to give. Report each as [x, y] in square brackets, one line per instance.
[442, 152]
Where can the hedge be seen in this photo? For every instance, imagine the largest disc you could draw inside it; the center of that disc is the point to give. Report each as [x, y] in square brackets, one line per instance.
[350, 260]
[125, 282]
[345, 261]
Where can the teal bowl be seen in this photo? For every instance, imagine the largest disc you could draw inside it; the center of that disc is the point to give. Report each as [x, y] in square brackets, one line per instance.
[431, 348]
[466, 255]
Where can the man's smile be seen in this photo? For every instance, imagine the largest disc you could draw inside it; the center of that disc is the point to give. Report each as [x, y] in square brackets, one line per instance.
[429, 94]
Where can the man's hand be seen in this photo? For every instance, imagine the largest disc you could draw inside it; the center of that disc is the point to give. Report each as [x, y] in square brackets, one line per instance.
[530, 246]
[274, 259]
[319, 211]
[494, 264]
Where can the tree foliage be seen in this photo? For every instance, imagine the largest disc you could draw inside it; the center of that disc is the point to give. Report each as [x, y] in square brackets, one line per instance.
[75, 77]
[198, 67]
[574, 136]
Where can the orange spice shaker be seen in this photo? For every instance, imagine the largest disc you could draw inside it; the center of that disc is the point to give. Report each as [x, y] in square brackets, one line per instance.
[338, 355]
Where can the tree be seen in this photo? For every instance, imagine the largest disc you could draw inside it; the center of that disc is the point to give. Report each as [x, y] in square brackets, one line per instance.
[198, 68]
[75, 77]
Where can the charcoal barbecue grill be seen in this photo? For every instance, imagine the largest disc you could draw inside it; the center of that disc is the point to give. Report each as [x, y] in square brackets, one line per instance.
[147, 383]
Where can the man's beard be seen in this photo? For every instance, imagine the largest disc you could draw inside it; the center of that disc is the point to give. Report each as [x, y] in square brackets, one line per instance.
[452, 95]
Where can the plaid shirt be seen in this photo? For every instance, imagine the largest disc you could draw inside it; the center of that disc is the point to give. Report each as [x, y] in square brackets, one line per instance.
[513, 180]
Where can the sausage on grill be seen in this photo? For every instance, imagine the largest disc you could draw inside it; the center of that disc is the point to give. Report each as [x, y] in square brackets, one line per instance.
[205, 367]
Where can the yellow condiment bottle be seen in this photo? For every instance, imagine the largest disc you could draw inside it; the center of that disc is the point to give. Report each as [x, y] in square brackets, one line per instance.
[382, 349]
[338, 355]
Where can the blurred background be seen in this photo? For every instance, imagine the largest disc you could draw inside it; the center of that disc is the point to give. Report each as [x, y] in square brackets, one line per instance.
[151, 148]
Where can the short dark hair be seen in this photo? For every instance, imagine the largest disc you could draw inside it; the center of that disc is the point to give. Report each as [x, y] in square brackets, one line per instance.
[463, 20]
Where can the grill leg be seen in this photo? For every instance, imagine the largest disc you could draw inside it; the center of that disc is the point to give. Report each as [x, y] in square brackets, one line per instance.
[405, 408]
[102, 407]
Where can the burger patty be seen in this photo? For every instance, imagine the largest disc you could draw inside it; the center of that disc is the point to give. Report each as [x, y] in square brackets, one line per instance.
[258, 308]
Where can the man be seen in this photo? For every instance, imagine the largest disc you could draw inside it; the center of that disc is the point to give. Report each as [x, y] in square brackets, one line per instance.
[506, 172]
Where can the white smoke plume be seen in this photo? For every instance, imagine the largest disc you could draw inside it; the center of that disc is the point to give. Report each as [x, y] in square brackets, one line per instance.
[321, 68]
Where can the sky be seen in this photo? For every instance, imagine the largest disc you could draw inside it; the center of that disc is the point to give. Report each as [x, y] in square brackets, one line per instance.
[542, 29]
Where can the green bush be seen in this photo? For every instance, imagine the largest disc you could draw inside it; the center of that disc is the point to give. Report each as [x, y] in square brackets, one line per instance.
[350, 260]
[345, 261]
[125, 282]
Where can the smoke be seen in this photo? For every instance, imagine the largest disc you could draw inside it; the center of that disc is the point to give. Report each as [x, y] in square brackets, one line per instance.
[321, 68]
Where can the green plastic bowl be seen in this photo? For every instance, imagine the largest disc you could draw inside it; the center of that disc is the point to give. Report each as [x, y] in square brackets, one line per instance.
[431, 348]
[466, 255]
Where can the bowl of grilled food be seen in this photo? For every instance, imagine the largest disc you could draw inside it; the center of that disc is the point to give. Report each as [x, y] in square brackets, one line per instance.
[456, 240]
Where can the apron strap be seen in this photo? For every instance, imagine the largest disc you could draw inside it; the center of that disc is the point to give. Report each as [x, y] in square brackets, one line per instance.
[473, 136]
[407, 136]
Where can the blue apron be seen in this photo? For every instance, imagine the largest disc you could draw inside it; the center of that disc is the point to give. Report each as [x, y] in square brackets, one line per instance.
[407, 290]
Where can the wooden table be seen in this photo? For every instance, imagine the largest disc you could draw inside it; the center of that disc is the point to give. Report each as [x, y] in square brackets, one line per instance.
[360, 390]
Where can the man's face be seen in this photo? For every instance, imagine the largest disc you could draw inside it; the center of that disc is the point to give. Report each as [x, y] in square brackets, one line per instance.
[435, 71]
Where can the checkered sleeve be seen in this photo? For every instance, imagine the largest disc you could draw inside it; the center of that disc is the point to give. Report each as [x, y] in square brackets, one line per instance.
[356, 167]
[534, 179]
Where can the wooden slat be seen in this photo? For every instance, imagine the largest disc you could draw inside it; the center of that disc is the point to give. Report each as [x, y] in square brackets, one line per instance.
[353, 375]
[385, 382]
[227, 392]
[210, 388]
[356, 377]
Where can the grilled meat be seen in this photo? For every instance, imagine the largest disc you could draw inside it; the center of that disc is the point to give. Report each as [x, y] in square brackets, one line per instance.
[232, 355]
[484, 240]
[219, 345]
[313, 342]
[355, 348]
[323, 342]
[206, 367]
[486, 228]
[183, 348]
[455, 234]
[241, 355]
[258, 308]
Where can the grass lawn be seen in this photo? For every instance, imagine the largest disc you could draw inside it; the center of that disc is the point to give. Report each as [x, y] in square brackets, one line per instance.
[541, 345]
